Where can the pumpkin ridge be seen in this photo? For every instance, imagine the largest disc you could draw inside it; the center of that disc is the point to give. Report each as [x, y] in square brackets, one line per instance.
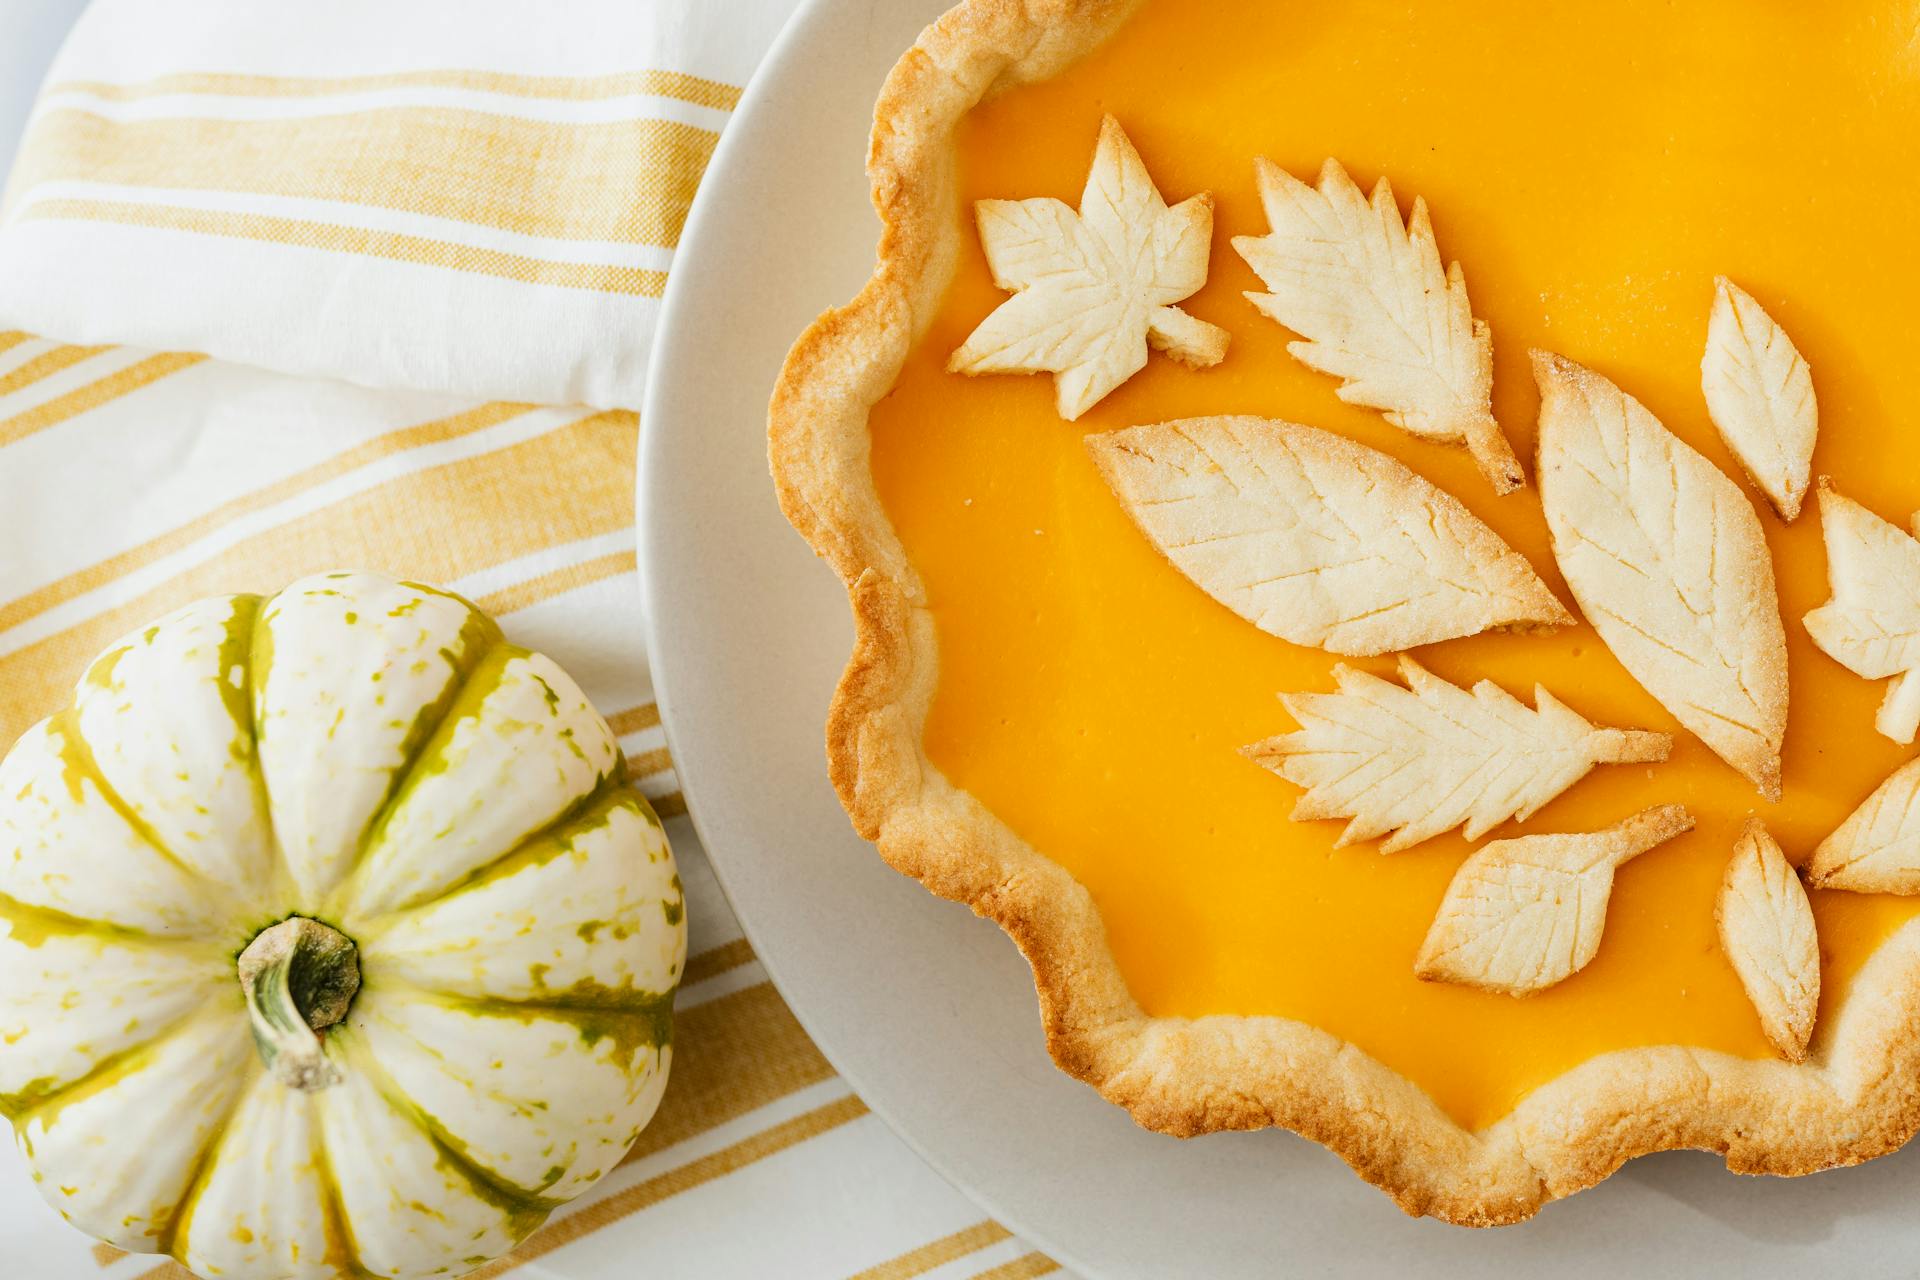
[482, 646]
[590, 812]
[259, 660]
[34, 1101]
[524, 1210]
[435, 721]
[343, 1251]
[203, 1165]
[585, 1005]
[643, 1017]
[79, 764]
[237, 651]
[29, 925]
[234, 652]
[478, 640]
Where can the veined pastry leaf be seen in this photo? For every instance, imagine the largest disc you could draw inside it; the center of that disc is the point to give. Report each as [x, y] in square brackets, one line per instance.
[1523, 914]
[1410, 763]
[1093, 290]
[1871, 626]
[1373, 307]
[1760, 396]
[1667, 558]
[1316, 539]
[1767, 930]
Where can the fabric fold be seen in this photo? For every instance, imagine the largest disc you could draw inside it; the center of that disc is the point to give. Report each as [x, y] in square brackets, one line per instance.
[441, 197]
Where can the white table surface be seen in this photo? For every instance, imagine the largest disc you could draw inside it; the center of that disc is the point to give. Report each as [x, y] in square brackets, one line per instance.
[30, 34]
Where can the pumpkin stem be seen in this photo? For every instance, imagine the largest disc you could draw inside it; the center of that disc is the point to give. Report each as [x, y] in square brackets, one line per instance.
[299, 976]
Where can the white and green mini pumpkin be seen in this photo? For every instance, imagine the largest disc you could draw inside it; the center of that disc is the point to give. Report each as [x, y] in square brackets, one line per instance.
[332, 939]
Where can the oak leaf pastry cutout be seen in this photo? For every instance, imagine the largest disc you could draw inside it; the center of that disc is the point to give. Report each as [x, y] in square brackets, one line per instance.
[1093, 290]
[1760, 396]
[1766, 929]
[1367, 295]
[1316, 539]
[1871, 626]
[1668, 560]
[1411, 763]
[1523, 914]
[1877, 849]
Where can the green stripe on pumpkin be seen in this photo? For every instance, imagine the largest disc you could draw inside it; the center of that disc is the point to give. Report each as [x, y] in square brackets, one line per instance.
[524, 1210]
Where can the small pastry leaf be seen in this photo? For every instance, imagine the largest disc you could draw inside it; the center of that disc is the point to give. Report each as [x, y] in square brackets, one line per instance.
[1877, 849]
[1411, 763]
[1316, 539]
[1523, 914]
[1760, 396]
[1767, 931]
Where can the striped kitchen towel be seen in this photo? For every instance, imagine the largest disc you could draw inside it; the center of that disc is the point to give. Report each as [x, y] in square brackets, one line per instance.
[286, 287]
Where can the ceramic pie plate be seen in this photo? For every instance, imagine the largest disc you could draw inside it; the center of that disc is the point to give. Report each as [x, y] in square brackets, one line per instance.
[928, 1011]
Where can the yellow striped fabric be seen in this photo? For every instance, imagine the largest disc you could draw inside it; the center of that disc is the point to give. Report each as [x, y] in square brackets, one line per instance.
[571, 190]
[541, 523]
[145, 469]
[628, 181]
[670, 84]
[308, 233]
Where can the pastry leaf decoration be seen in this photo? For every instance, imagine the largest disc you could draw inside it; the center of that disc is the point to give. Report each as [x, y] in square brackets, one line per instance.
[1767, 930]
[1872, 624]
[1523, 914]
[1316, 539]
[1667, 559]
[1093, 289]
[1411, 763]
[1877, 849]
[1760, 396]
[1367, 295]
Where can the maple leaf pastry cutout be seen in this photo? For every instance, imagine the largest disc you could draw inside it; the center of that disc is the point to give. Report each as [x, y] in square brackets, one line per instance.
[1410, 763]
[1373, 307]
[1094, 289]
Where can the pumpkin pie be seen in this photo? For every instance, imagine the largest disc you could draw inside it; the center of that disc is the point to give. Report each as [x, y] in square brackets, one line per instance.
[1323, 500]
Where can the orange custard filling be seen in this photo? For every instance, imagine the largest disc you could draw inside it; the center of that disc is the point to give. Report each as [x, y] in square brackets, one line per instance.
[1593, 167]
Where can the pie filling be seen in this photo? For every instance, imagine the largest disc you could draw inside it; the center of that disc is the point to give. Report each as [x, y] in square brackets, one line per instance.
[1593, 168]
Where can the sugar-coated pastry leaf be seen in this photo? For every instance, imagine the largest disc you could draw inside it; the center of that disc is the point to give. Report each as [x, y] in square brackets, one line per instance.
[1523, 914]
[1094, 289]
[1316, 539]
[1767, 930]
[1871, 626]
[1667, 558]
[1373, 307]
[1760, 396]
[1410, 763]
[1877, 849]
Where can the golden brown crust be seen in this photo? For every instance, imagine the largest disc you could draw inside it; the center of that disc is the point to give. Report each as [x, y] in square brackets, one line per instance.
[1857, 1096]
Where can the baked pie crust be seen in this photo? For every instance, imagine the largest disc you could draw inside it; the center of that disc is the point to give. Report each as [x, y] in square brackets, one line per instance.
[1856, 1096]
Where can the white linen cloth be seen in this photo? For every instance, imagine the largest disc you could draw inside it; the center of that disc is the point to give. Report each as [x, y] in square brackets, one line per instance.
[287, 287]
